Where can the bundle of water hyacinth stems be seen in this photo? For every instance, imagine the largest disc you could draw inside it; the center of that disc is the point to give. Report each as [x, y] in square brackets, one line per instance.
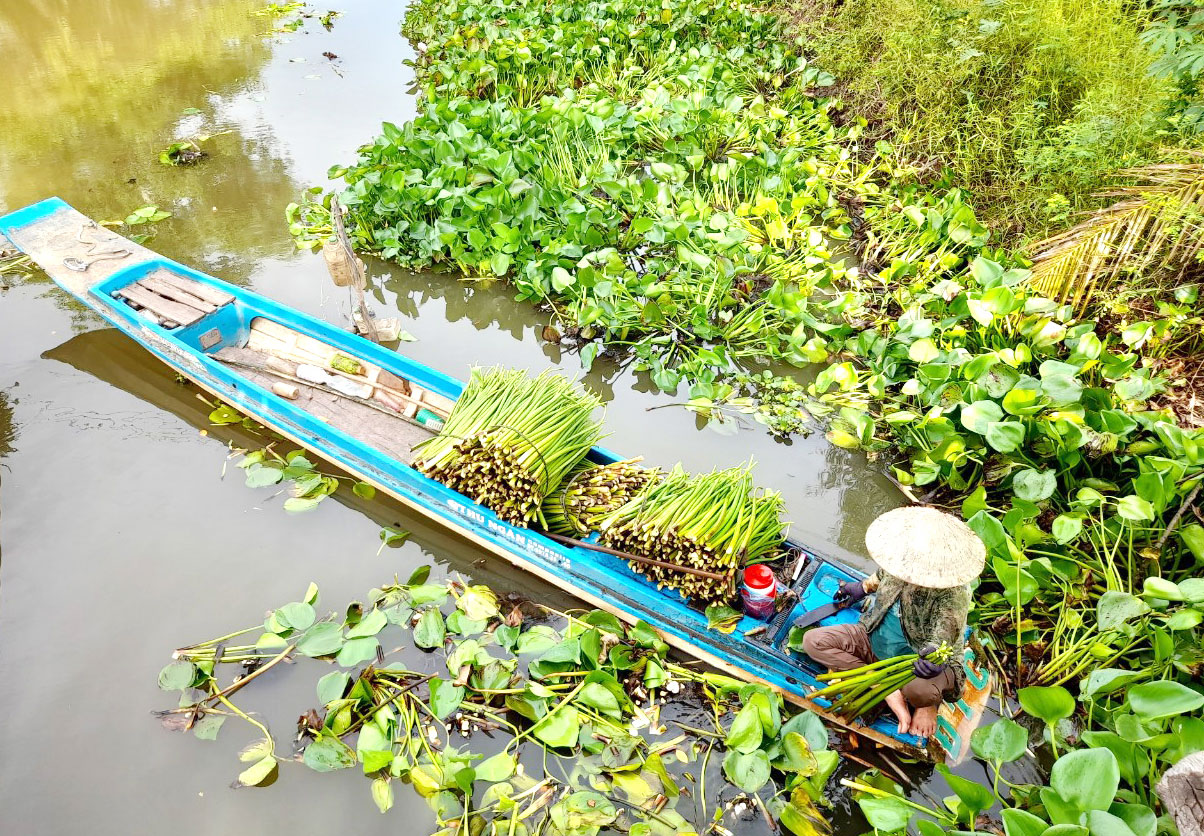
[854, 692]
[511, 439]
[591, 492]
[717, 521]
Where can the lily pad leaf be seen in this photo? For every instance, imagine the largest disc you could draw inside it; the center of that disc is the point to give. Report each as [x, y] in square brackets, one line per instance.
[746, 732]
[445, 697]
[258, 772]
[1004, 740]
[1005, 436]
[297, 615]
[1115, 608]
[332, 686]
[478, 603]
[177, 675]
[1049, 703]
[1017, 822]
[1164, 698]
[977, 416]
[1034, 485]
[1086, 778]
[1134, 508]
[499, 767]
[357, 652]
[382, 794]
[559, 729]
[208, 726]
[369, 625]
[889, 815]
[327, 754]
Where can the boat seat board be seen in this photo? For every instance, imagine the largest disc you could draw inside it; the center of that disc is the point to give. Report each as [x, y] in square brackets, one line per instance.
[177, 294]
[209, 295]
[166, 309]
[391, 435]
[274, 338]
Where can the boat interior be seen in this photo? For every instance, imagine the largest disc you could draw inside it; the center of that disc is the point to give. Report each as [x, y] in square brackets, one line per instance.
[380, 408]
[377, 406]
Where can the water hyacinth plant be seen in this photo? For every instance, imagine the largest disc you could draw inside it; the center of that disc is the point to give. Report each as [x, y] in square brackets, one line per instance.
[590, 493]
[669, 194]
[717, 521]
[596, 697]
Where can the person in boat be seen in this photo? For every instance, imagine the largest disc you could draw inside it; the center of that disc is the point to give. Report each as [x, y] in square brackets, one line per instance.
[919, 599]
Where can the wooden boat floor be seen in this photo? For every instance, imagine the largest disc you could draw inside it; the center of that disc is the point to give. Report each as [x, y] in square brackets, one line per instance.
[392, 435]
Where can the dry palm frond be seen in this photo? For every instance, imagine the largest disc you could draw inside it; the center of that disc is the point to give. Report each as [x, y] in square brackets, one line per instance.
[1156, 226]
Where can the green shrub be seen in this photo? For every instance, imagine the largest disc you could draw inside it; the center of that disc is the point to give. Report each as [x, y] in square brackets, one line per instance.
[1018, 100]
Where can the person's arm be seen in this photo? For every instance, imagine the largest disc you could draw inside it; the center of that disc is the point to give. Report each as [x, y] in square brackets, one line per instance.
[950, 623]
[946, 629]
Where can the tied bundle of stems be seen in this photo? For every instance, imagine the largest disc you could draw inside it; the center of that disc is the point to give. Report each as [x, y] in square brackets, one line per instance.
[591, 492]
[510, 440]
[859, 690]
[718, 521]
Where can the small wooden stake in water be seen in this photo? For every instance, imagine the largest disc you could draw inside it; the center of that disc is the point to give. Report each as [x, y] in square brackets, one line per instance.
[349, 269]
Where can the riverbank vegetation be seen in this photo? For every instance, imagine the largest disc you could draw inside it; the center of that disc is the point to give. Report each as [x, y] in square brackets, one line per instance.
[1032, 105]
[1020, 340]
[665, 183]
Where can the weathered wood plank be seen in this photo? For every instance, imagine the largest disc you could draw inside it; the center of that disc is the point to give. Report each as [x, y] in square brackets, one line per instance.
[1182, 792]
[174, 311]
[170, 291]
[392, 435]
[270, 336]
[210, 294]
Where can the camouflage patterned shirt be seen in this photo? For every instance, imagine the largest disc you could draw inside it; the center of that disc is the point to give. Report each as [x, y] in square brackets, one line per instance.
[929, 616]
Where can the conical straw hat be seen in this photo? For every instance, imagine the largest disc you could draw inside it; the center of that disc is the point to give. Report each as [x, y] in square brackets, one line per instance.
[926, 547]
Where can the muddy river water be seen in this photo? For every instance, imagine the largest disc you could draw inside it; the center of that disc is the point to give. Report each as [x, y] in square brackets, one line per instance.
[120, 537]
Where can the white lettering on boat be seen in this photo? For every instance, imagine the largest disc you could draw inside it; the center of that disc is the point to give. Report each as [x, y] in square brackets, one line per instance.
[507, 533]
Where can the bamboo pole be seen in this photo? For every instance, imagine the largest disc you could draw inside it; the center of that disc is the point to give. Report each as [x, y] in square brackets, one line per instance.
[689, 570]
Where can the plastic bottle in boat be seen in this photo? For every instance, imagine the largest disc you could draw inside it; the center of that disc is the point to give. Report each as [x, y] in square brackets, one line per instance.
[759, 591]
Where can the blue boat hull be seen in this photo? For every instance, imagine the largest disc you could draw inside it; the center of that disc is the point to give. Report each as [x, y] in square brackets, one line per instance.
[44, 231]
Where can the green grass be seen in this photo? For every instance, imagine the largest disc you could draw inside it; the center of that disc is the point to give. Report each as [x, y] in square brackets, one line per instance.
[1022, 102]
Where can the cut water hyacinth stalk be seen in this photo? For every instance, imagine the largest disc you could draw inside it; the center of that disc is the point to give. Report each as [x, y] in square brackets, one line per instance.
[511, 440]
[717, 521]
[855, 692]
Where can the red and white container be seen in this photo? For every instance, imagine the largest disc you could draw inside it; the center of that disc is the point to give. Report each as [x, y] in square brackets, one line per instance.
[759, 592]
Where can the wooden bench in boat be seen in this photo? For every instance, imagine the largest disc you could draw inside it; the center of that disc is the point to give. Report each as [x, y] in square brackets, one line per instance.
[173, 300]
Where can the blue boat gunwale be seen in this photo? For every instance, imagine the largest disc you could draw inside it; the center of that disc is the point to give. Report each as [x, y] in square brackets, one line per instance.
[746, 658]
[254, 305]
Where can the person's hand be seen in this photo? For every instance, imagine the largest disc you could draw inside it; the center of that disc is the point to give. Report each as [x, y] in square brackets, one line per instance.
[849, 593]
[925, 669]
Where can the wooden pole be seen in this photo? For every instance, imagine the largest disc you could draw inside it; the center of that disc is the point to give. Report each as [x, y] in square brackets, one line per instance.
[358, 281]
[689, 570]
[1182, 792]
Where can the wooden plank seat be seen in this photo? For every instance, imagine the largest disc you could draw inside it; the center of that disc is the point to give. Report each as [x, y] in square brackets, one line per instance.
[173, 299]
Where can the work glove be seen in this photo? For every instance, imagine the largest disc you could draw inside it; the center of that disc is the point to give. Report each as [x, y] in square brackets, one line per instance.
[925, 669]
[849, 593]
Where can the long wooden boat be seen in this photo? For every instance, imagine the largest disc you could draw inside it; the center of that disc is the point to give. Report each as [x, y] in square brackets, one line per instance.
[248, 351]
